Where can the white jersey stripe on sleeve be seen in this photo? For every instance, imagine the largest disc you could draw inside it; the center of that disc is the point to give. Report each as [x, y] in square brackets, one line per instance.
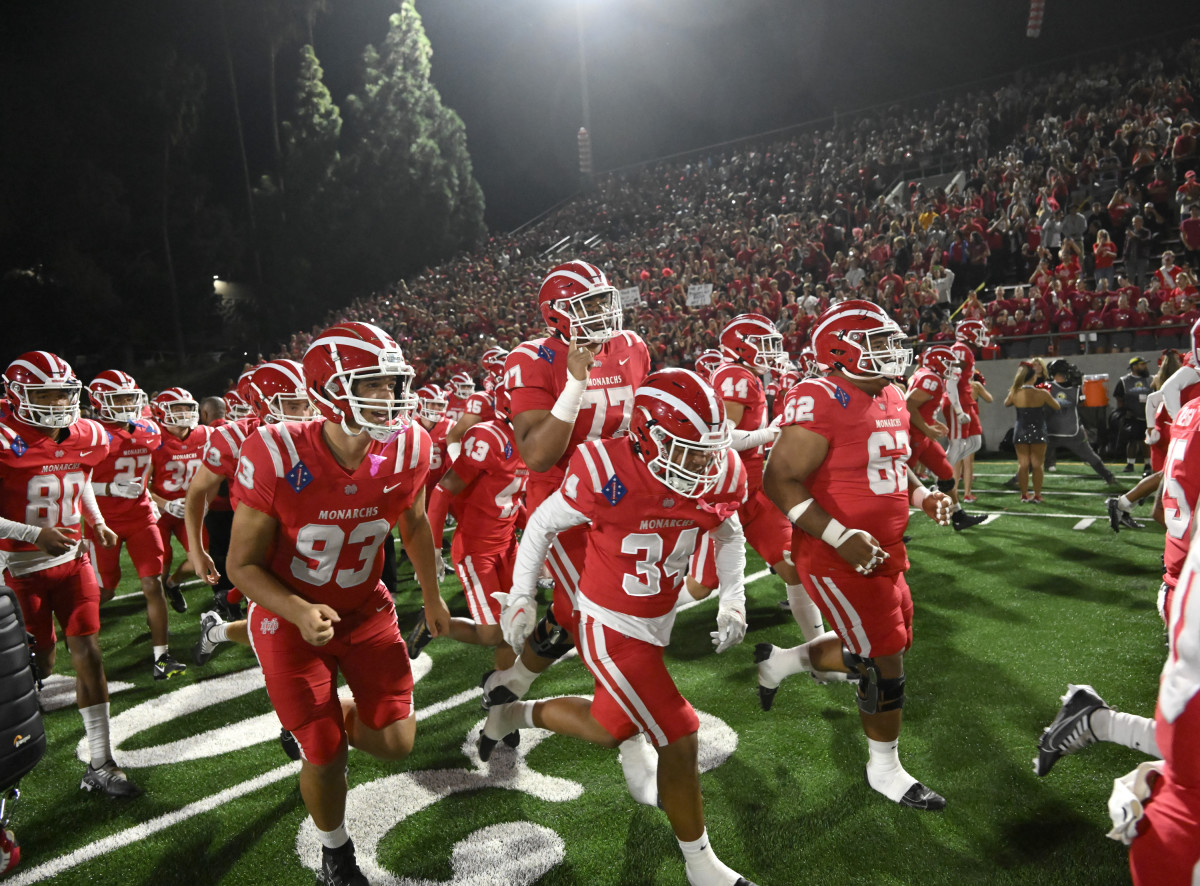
[590, 462]
[285, 434]
[273, 450]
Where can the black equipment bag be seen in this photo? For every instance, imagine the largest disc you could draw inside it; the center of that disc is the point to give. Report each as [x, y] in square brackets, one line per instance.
[22, 737]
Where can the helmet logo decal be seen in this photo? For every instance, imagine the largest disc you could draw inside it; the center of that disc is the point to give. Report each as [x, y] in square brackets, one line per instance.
[299, 476]
[614, 490]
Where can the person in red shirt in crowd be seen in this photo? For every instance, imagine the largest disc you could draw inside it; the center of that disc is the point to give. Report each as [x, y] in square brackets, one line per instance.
[1188, 192]
[1095, 318]
[1122, 318]
[120, 485]
[311, 566]
[1105, 254]
[47, 456]
[172, 466]
[1066, 324]
[1167, 273]
[839, 472]
[1144, 322]
[1189, 234]
[431, 413]
[674, 473]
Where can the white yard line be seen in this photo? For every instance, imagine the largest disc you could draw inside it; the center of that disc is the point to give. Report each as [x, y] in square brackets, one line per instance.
[1084, 523]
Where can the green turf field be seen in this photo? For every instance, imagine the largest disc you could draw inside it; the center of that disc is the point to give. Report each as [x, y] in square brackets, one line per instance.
[1006, 615]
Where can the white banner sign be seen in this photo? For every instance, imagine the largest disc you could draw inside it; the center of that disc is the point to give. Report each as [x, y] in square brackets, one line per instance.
[699, 294]
[630, 297]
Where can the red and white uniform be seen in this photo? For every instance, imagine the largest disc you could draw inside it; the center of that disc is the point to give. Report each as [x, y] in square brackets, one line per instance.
[485, 544]
[224, 445]
[42, 483]
[332, 525]
[767, 528]
[173, 465]
[926, 450]
[641, 538]
[1181, 490]
[1166, 851]
[863, 483]
[535, 373]
[961, 398]
[482, 405]
[133, 519]
[455, 407]
[439, 458]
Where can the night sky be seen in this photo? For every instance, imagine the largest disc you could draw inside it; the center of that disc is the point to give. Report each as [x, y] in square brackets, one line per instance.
[664, 76]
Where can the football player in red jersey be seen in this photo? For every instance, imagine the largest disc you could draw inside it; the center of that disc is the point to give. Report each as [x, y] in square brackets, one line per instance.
[926, 389]
[172, 466]
[752, 347]
[120, 485]
[462, 386]
[316, 503]
[431, 413]
[276, 393]
[707, 363]
[966, 432]
[572, 386]
[487, 484]
[480, 405]
[648, 497]
[47, 455]
[839, 471]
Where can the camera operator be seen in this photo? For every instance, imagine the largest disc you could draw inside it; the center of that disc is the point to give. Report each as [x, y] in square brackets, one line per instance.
[1063, 427]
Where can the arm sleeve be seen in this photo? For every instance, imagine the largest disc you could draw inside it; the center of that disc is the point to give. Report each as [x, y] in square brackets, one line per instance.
[551, 517]
[436, 509]
[1152, 402]
[952, 392]
[1183, 377]
[743, 440]
[25, 532]
[730, 545]
[87, 502]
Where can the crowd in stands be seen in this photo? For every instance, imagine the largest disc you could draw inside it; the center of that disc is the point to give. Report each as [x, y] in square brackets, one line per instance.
[1075, 224]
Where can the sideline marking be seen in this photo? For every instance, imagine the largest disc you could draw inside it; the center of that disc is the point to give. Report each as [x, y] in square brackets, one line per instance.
[1084, 523]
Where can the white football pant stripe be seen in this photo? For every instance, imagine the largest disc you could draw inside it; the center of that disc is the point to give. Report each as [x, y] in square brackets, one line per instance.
[595, 654]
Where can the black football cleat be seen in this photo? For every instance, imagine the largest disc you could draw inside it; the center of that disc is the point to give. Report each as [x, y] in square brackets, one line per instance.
[766, 697]
[175, 596]
[418, 638]
[165, 667]
[340, 868]
[921, 797]
[108, 780]
[962, 520]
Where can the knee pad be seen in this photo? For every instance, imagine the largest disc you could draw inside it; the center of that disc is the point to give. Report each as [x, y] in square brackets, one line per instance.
[876, 694]
[550, 639]
[946, 486]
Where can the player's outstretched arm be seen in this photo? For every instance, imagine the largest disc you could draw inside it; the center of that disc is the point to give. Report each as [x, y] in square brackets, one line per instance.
[249, 551]
[418, 542]
[202, 489]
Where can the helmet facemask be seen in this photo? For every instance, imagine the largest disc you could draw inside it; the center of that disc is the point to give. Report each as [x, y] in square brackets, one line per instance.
[179, 414]
[133, 401]
[595, 315]
[888, 358]
[47, 415]
[689, 467]
[397, 409]
[276, 412]
[771, 356]
[432, 408]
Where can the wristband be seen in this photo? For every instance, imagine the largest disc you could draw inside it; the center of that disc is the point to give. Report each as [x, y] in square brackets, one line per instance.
[566, 407]
[918, 496]
[798, 511]
[835, 533]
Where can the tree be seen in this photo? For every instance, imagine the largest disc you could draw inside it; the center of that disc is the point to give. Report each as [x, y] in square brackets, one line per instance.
[413, 195]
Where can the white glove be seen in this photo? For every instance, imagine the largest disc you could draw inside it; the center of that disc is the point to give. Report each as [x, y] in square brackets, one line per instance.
[964, 419]
[154, 511]
[1152, 436]
[731, 627]
[125, 488]
[176, 507]
[517, 618]
[439, 565]
[1131, 793]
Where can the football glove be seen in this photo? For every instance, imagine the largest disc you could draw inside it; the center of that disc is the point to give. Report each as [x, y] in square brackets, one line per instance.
[1152, 436]
[439, 565]
[125, 488]
[518, 616]
[176, 507]
[731, 627]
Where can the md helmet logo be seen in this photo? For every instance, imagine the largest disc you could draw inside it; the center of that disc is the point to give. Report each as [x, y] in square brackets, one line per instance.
[269, 625]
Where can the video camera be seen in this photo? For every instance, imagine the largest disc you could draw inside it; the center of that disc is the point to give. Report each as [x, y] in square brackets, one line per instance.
[1073, 373]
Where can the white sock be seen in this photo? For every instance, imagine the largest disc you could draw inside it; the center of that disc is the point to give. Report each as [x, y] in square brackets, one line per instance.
[95, 725]
[884, 772]
[218, 633]
[805, 611]
[334, 839]
[518, 678]
[1124, 503]
[786, 662]
[703, 866]
[159, 650]
[1129, 730]
[639, 762]
[505, 718]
